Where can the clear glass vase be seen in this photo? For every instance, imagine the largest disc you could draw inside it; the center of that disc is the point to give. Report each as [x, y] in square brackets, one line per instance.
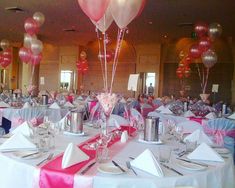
[107, 102]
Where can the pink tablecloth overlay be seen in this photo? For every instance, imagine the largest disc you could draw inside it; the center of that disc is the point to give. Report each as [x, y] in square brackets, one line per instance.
[52, 175]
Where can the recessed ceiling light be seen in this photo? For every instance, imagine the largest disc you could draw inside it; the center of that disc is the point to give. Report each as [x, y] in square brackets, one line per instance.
[150, 22]
[70, 30]
[14, 9]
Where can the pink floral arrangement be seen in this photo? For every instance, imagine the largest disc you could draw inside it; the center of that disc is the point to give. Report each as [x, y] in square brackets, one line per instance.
[107, 101]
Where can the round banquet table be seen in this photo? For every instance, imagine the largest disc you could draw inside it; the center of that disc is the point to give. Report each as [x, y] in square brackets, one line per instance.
[12, 114]
[22, 173]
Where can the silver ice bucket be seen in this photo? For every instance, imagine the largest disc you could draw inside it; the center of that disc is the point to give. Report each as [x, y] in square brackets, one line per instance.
[151, 129]
[75, 122]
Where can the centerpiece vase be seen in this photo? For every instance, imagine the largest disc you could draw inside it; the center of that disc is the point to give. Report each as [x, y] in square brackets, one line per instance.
[204, 96]
[107, 102]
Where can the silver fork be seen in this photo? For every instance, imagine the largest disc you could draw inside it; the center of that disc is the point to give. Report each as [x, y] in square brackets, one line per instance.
[47, 159]
[128, 164]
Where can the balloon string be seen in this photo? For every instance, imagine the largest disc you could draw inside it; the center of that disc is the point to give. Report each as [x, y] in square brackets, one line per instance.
[31, 80]
[207, 75]
[105, 60]
[203, 79]
[117, 52]
[101, 61]
[199, 74]
[105, 65]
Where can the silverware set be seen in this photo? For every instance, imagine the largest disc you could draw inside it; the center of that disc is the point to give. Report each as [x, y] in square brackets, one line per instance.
[50, 156]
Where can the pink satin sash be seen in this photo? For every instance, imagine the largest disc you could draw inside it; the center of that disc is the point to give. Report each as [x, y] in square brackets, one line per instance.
[219, 134]
[199, 120]
[52, 175]
[34, 121]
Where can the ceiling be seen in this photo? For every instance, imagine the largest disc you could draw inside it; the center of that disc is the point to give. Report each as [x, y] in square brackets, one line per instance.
[160, 18]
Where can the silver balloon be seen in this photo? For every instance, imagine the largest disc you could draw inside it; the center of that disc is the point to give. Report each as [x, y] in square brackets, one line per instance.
[4, 44]
[28, 39]
[214, 30]
[209, 58]
[39, 17]
[36, 46]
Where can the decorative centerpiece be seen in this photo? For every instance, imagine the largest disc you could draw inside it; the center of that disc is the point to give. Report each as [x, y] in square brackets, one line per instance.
[102, 13]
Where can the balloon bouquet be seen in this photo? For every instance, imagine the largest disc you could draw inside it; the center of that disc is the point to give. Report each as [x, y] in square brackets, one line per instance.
[82, 66]
[102, 13]
[6, 54]
[201, 50]
[31, 52]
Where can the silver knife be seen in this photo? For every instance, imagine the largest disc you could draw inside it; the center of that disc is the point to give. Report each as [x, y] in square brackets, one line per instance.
[87, 168]
[188, 161]
[172, 169]
[28, 155]
[117, 165]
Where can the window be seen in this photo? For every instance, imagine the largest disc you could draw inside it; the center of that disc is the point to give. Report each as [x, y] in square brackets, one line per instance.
[66, 79]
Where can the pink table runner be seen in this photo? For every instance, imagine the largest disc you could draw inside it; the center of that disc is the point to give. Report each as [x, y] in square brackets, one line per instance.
[52, 175]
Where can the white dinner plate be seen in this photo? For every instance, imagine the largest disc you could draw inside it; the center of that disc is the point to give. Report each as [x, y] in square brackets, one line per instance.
[75, 134]
[109, 168]
[149, 142]
[189, 166]
[222, 150]
[21, 154]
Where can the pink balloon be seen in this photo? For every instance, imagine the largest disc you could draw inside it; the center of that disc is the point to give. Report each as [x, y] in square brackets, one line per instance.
[31, 26]
[201, 29]
[7, 53]
[36, 59]
[25, 54]
[125, 11]
[141, 8]
[6, 61]
[94, 9]
[194, 51]
[104, 23]
[204, 44]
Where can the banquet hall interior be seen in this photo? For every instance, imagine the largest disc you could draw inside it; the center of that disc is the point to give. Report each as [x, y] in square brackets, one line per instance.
[97, 90]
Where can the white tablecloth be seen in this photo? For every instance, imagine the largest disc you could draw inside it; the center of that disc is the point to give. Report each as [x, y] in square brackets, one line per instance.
[23, 173]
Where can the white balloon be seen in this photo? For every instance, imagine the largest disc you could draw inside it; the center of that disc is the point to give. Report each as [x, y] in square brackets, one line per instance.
[104, 23]
[4, 44]
[125, 11]
[36, 46]
[39, 18]
[209, 58]
[28, 39]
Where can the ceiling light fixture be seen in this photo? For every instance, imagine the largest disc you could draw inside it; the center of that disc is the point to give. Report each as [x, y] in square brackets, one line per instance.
[14, 9]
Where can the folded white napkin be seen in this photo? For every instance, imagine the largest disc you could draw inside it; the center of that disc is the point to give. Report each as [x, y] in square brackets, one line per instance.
[68, 104]
[123, 100]
[4, 105]
[166, 111]
[205, 153]
[232, 116]
[24, 129]
[17, 141]
[54, 106]
[198, 136]
[189, 113]
[72, 156]
[27, 105]
[148, 163]
[160, 108]
[211, 115]
[124, 137]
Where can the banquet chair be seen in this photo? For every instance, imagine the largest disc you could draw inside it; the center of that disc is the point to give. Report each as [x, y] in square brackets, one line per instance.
[223, 131]
[145, 109]
[33, 115]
